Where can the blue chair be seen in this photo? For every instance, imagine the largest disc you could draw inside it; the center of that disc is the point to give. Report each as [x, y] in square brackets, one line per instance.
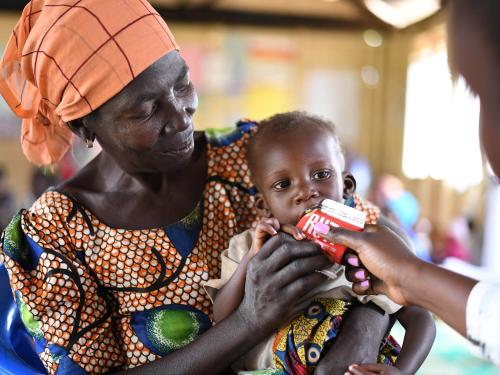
[17, 348]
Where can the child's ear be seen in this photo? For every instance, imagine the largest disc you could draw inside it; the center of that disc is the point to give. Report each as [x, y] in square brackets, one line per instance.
[349, 185]
[261, 205]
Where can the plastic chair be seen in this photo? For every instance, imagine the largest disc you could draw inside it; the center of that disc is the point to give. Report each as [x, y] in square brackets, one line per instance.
[17, 348]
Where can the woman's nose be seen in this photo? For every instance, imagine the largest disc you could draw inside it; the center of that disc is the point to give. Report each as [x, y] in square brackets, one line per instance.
[175, 118]
[305, 192]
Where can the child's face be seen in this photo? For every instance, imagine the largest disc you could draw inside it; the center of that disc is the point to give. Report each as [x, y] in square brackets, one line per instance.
[296, 170]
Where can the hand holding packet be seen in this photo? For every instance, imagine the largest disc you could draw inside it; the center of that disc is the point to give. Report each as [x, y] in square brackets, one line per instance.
[333, 214]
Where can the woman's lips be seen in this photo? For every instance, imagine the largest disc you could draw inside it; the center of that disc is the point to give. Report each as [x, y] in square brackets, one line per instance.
[180, 148]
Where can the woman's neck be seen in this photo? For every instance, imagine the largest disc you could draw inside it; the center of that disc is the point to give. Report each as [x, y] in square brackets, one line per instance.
[144, 199]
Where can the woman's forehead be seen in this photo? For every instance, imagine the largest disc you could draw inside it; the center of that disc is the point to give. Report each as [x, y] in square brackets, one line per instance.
[163, 73]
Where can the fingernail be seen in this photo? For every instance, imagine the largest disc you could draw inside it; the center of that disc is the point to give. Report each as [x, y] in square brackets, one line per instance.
[321, 228]
[359, 274]
[365, 283]
[353, 261]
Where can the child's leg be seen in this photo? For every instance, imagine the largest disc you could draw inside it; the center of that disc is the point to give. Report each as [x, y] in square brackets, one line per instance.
[363, 339]
[298, 347]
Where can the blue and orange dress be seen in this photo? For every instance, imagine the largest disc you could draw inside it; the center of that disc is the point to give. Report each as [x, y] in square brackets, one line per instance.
[97, 298]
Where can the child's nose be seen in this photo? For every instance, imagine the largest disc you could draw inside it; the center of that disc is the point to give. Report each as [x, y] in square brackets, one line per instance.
[305, 192]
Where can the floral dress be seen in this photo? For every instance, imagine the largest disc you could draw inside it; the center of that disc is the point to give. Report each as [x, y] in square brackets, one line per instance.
[97, 298]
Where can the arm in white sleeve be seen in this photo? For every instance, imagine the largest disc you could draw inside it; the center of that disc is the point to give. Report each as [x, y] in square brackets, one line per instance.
[483, 320]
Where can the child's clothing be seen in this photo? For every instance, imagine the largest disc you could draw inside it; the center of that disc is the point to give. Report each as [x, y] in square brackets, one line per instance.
[298, 347]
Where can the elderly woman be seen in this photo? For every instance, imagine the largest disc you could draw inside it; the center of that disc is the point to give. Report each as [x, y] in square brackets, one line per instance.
[107, 268]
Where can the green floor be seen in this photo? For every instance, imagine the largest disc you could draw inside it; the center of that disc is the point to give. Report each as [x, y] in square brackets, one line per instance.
[451, 355]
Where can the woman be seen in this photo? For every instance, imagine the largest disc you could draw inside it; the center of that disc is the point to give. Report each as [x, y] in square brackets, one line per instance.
[469, 306]
[107, 268]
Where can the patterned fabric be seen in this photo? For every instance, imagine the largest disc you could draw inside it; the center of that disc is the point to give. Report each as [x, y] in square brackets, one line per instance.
[483, 320]
[106, 45]
[97, 298]
[372, 211]
[299, 347]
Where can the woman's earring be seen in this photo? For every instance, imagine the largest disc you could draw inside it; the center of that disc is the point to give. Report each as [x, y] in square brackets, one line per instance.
[89, 142]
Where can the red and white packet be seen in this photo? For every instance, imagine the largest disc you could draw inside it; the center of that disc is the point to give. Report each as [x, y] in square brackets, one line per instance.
[333, 214]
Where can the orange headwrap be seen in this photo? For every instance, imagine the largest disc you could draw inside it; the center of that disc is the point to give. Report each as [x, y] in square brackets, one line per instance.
[65, 58]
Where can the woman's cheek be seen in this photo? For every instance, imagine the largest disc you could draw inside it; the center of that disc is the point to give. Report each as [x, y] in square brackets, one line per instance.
[141, 138]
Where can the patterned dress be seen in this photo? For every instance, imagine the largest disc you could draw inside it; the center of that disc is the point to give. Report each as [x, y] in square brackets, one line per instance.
[97, 298]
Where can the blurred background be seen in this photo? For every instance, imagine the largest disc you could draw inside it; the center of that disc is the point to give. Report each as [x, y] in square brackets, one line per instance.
[379, 69]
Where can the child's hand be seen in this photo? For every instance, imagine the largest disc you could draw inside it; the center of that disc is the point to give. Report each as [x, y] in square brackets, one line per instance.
[293, 231]
[373, 369]
[265, 228]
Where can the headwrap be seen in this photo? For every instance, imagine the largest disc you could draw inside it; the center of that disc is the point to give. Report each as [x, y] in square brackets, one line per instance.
[66, 58]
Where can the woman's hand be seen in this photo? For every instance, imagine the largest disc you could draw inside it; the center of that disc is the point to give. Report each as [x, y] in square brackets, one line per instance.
[373, 369]
[384, 254]
[278, 280]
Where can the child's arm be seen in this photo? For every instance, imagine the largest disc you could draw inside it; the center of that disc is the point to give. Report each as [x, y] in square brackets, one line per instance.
[230, 295]
[420, 332]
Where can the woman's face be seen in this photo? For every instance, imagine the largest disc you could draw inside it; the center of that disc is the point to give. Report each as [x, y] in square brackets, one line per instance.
[147, 127]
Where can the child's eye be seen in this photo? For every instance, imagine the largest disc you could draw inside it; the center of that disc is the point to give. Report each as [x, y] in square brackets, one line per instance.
[322, 175]
[281, 185]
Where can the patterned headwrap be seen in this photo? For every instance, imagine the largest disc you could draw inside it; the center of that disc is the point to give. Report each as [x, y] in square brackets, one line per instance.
[66, 58]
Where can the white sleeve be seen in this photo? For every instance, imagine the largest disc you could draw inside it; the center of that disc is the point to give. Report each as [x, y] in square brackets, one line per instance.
[483, 320]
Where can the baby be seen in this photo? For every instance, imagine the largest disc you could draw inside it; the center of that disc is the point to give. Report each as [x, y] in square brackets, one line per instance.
[296, 161]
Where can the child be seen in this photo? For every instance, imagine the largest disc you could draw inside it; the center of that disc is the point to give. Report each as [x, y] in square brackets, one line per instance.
[296, 161]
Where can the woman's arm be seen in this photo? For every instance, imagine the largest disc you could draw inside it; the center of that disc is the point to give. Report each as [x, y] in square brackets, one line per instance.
[443, 292]
[211, 353]
[420, 332]
[403, 277]
[278, 281]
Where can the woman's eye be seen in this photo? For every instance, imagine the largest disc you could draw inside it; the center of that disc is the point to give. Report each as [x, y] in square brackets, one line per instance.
[183, 88]
[322, 175]
[144, 114]
[281, 185]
